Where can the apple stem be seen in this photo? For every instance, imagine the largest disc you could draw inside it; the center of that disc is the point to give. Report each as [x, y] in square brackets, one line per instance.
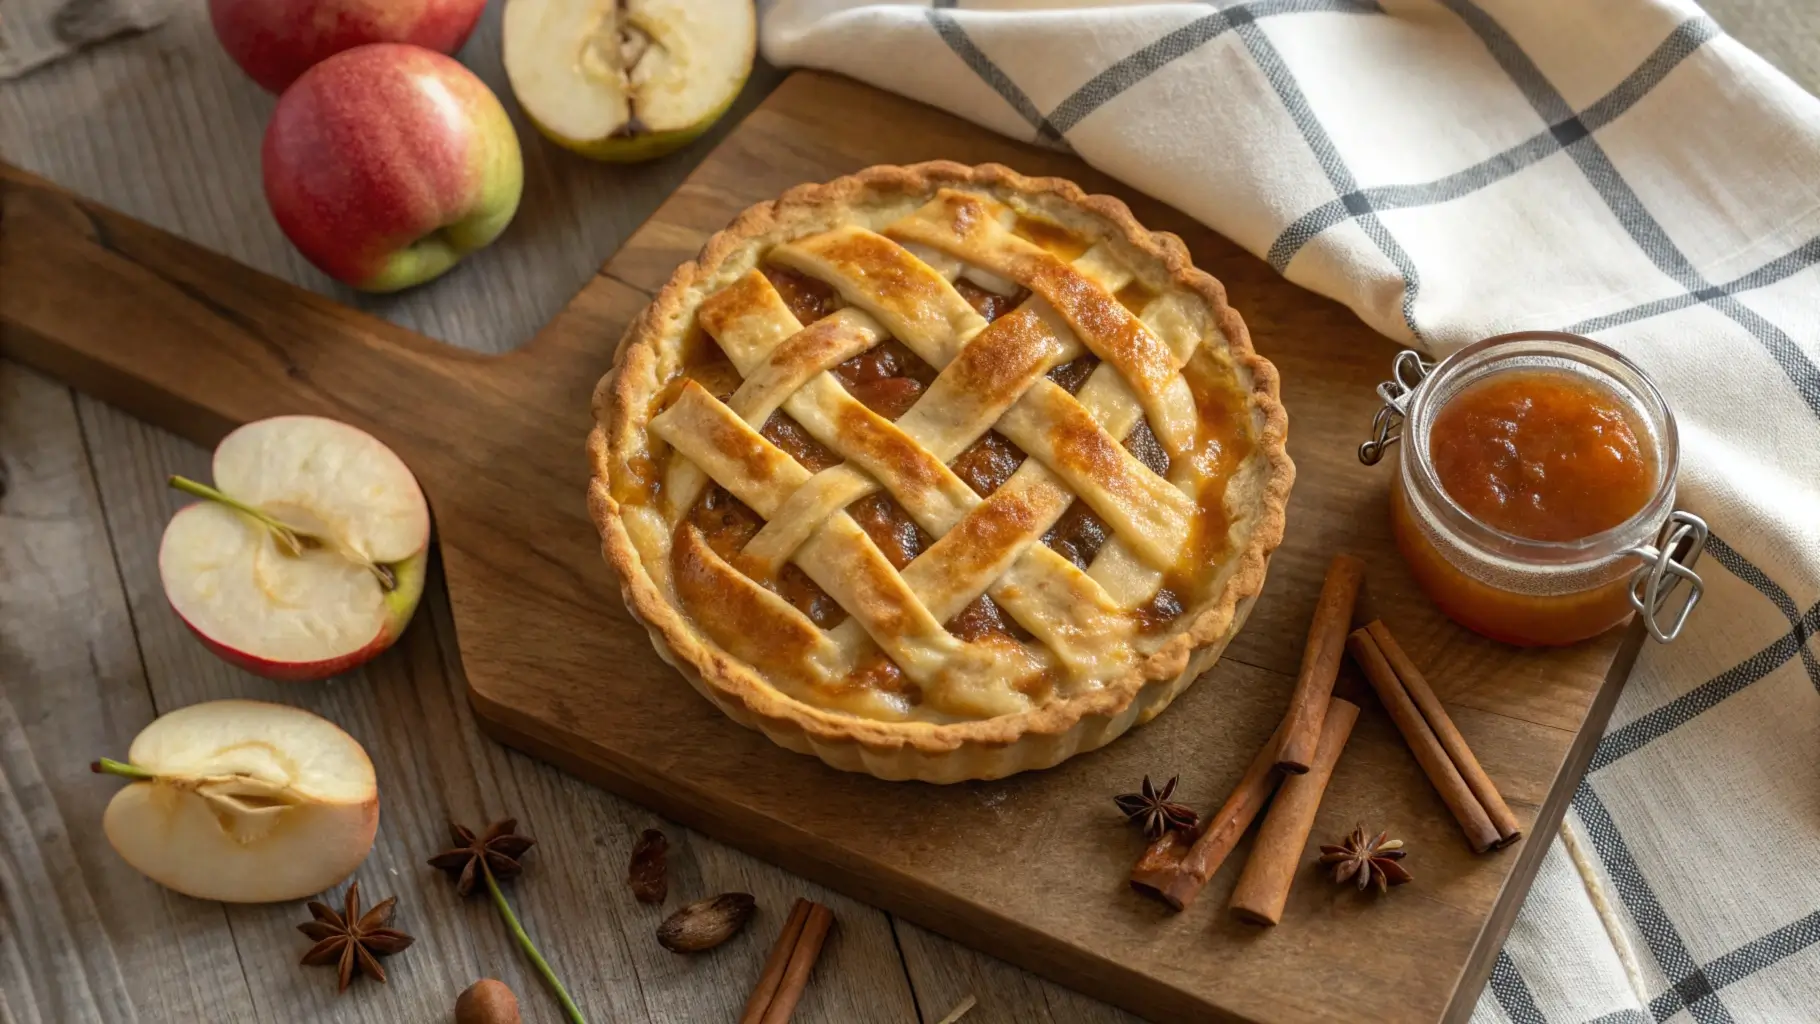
[289, 540]
[109, 766]
[524, 941]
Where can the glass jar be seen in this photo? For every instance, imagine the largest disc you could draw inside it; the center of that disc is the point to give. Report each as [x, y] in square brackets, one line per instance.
[1534, 592]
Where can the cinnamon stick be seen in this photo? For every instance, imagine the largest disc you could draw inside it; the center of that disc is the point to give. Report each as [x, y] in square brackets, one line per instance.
[1509, 829]
[1159, 865]
[1320, 662]
[1174, 871]
[802, 961]
[1263, 888]
[1481, 834]
[773, 974]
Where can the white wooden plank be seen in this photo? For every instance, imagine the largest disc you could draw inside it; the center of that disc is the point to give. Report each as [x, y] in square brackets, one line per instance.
[944, 973]
[82, 936]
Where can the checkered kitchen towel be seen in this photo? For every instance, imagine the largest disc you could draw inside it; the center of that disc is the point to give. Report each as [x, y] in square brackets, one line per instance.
[1453, 169]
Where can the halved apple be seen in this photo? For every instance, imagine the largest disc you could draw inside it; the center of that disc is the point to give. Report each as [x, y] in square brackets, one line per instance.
[308, 557]
[244, 802]
[627, 80]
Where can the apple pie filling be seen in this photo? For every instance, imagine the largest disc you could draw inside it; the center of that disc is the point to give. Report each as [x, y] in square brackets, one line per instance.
[1177, 481]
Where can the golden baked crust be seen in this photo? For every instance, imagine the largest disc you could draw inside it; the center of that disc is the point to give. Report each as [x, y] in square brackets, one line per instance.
[937, 209]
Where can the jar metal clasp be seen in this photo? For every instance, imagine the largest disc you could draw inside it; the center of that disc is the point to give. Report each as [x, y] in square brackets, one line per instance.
[1666, 563]
[1406, 374]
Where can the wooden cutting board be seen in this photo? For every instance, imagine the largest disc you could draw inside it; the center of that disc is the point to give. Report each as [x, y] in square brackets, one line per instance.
[1032, 868]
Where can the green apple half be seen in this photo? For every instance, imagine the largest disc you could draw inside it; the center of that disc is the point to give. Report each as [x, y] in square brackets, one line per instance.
[628, 80]
[307, 557]
[243, 801]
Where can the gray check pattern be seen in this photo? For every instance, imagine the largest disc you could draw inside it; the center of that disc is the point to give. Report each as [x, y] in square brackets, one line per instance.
[1452, 169]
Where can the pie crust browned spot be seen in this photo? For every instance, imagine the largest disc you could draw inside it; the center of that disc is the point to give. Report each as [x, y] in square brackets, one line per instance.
[940, 472]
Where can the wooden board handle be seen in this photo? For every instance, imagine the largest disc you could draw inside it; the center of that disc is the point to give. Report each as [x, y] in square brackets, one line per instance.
[193, 341]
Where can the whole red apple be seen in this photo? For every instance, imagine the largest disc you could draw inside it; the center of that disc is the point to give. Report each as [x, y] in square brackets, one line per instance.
[274, 41]
[387, 163]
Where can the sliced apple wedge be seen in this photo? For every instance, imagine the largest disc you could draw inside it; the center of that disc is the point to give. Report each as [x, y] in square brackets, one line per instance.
[627, 80]
[308, 556]
[244, 802]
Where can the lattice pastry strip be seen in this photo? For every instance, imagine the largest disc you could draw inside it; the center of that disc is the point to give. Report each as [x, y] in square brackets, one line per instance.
[998, 548]
[910, 457]
[877, 275]
[839, 557]
[872, 273]
[910, 298]
[970, 395]
[928, 490]
[952, 269]
[979, 384]
[777, 357]
[1015, 518]
[965, 227]
[1121, 572]
[964, 230]
[763, 622]
[1150, 513]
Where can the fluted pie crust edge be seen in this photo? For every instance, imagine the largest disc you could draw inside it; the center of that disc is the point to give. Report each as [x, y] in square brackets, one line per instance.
[945, 752]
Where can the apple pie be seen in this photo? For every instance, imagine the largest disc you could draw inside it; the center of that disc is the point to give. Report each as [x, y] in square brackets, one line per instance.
[939, 472]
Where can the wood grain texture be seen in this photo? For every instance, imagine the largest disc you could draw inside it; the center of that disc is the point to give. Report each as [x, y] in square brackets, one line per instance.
[82, 936]
[165, 127]
[433, 767]
[539, 621]
[103, 944]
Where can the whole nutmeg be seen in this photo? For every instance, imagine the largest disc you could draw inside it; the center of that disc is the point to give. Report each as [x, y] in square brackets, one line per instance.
[487, 1001]
[706, 923]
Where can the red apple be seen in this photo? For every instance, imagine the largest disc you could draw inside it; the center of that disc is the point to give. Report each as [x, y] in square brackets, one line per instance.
[307, 557]
[274, 41]
[387, 163]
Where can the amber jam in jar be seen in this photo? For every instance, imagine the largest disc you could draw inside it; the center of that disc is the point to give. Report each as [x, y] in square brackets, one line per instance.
[1542, 454]
[1535, 471]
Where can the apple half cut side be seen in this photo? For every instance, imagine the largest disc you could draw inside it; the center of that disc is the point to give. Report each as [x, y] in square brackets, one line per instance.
[244, 802]
[627, 80]
[294, 611]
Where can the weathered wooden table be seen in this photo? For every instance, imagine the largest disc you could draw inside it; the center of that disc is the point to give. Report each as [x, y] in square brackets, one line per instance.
[165, 128]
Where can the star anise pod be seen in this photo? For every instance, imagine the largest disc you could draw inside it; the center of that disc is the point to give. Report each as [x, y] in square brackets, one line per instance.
[490, 857]
[1367, 859]
[1154, 811]
[353, 940]
[499, 849]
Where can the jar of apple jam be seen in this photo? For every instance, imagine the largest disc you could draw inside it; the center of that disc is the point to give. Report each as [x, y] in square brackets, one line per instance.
[1535, 489]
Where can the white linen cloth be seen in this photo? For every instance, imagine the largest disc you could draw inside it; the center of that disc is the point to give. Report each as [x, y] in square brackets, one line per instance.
[1453, 169]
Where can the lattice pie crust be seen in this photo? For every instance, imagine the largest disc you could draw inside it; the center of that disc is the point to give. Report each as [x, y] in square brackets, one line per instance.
[940, 472]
